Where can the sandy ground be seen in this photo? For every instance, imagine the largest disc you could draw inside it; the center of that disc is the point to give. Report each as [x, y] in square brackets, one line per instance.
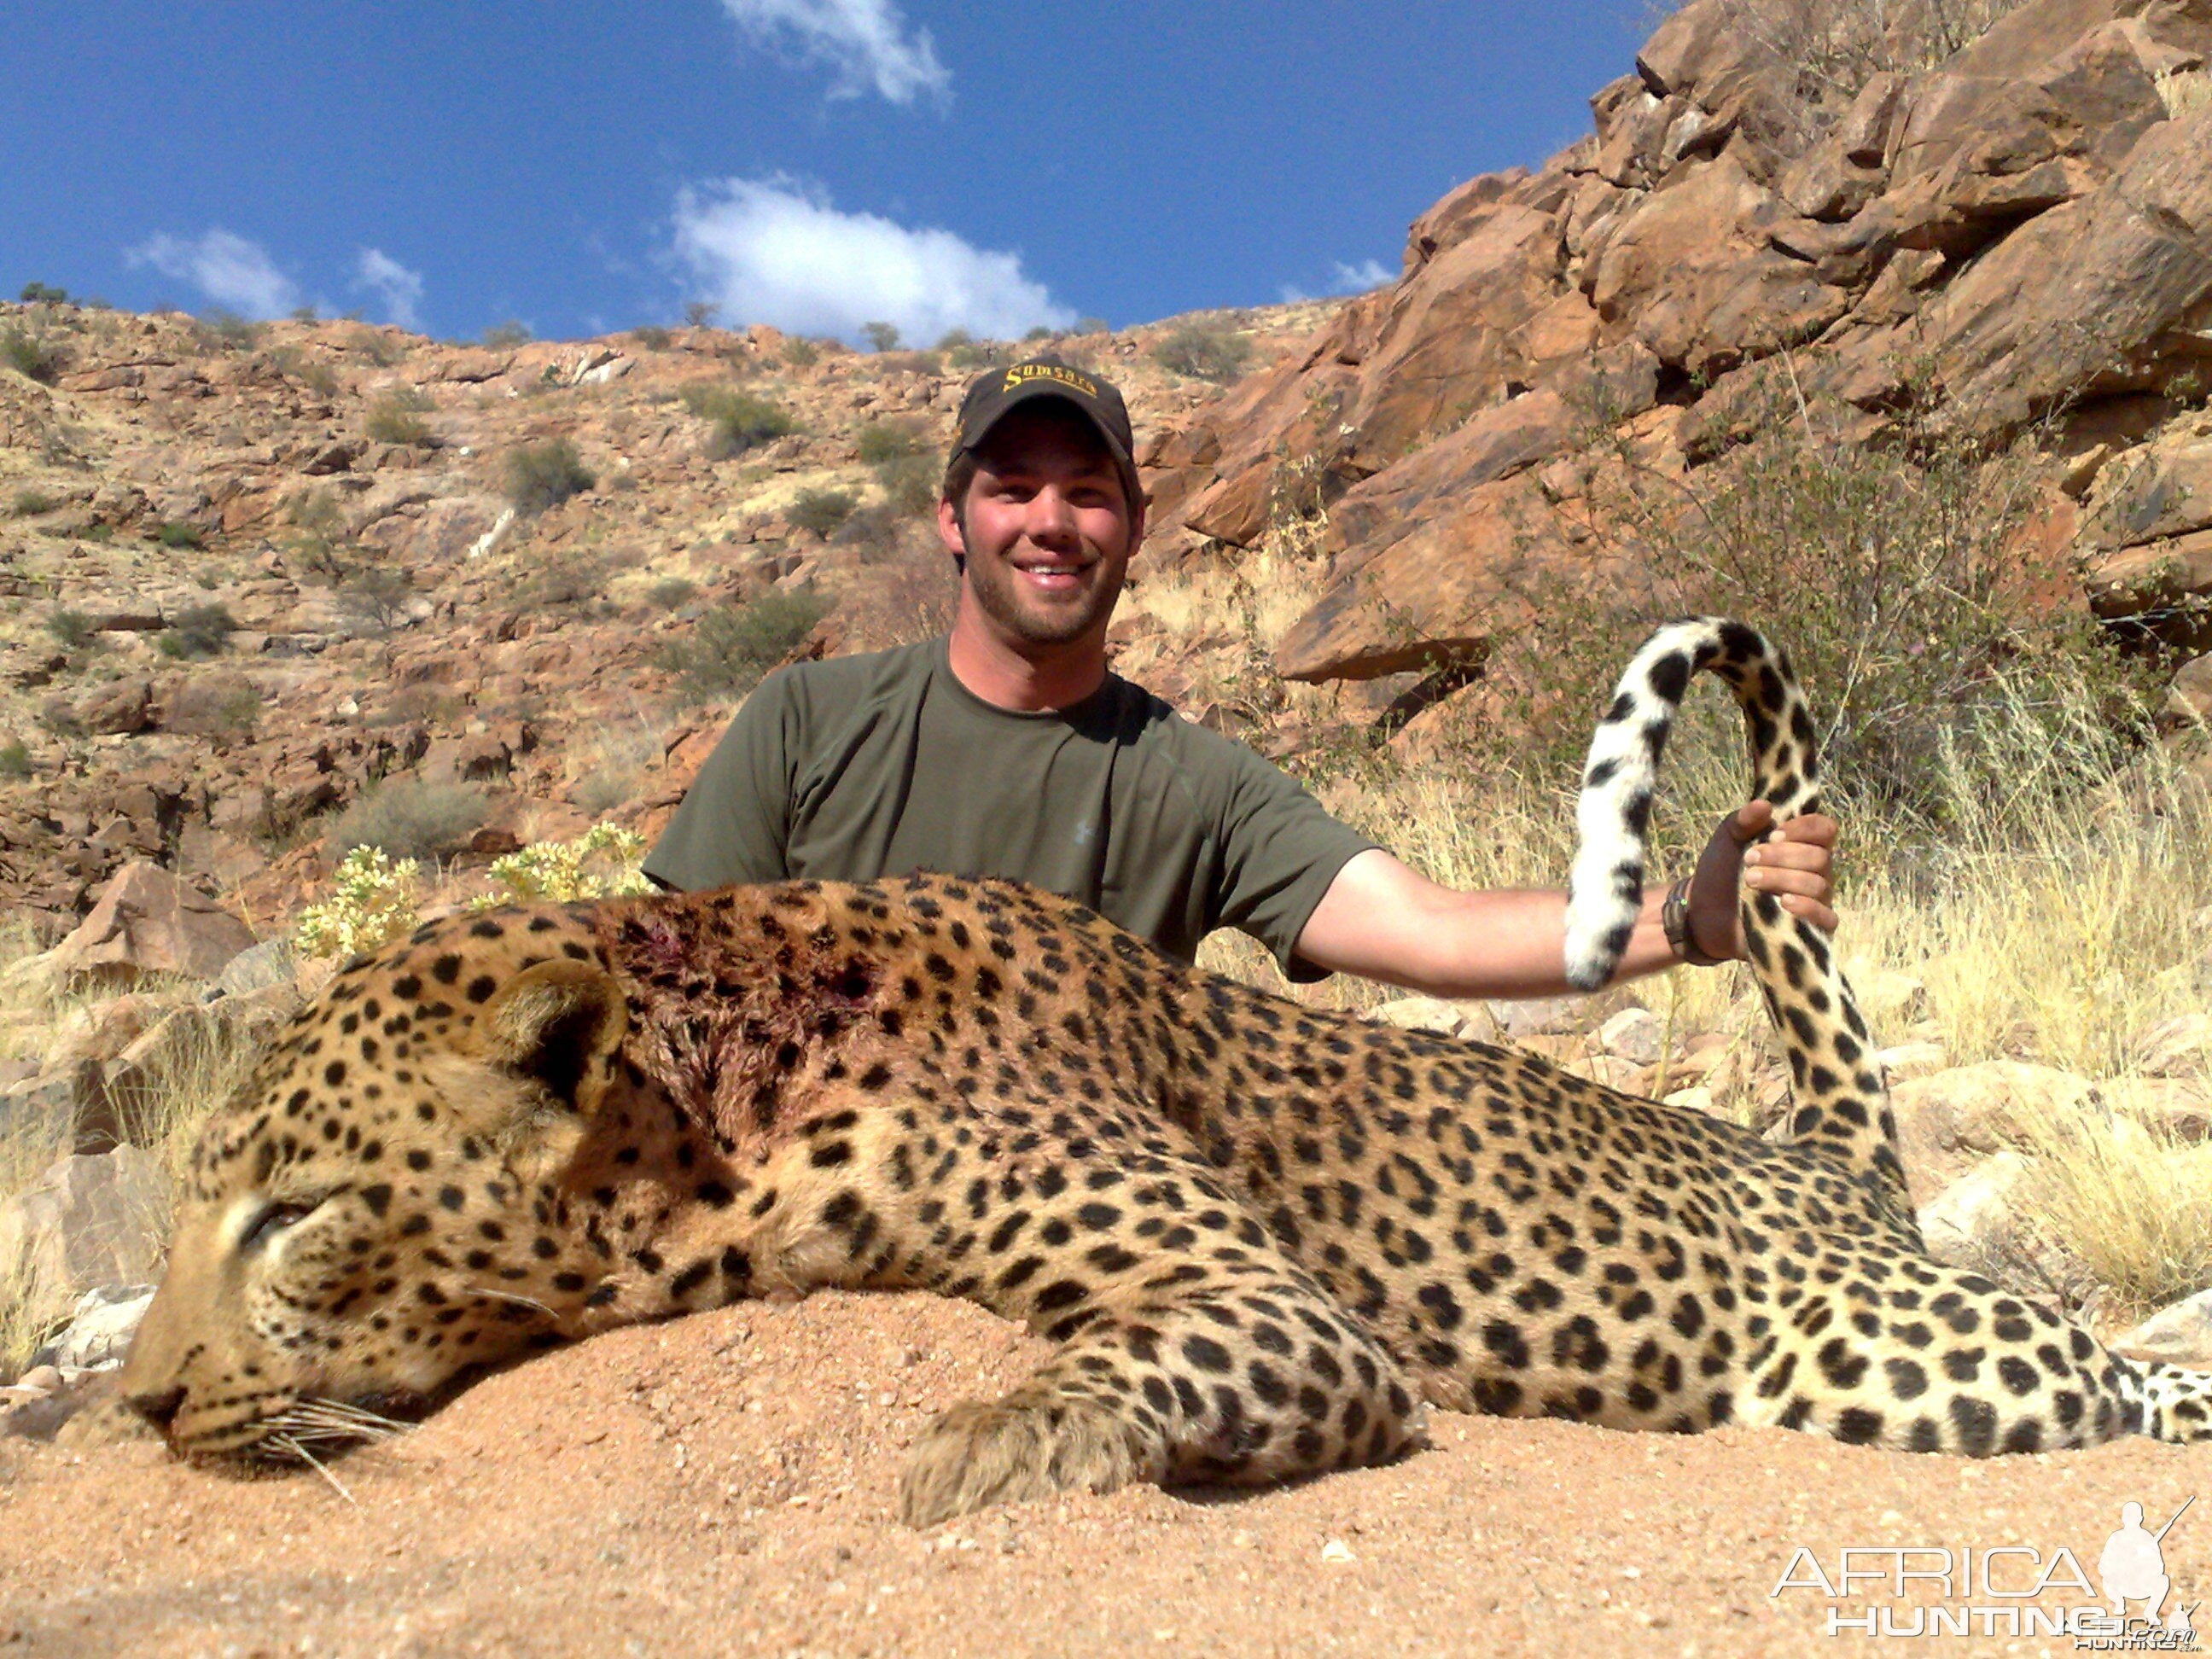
[725, 1485]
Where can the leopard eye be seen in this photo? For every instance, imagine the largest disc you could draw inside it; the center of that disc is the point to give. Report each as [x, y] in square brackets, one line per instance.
[272, 1219]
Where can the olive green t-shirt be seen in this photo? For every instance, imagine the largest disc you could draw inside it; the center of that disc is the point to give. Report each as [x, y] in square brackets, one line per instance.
[884, 764]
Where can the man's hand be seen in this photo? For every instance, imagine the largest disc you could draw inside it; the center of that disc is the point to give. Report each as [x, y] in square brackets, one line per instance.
[1796, 866]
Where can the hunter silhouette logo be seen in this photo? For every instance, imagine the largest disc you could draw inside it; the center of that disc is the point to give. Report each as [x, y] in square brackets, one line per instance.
[2133, 1566]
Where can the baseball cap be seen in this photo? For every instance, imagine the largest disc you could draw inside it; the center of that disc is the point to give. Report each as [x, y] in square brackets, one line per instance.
[996, 393]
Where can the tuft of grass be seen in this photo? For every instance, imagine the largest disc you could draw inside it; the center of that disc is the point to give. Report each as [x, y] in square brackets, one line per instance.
[728, 650]
[200, 630]
[1204, 352]
[72, 629]
[15, 759]
[800, 354]
[670, 592]
[177, 532]
[397, 419]
[31, 502]
[540, 476]
[32, 354]
[406, 818]
[740, 420]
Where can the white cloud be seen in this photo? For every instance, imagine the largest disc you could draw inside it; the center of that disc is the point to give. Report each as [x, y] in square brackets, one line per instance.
[400, 288]
[227, 269]
[1357, 279]
[866, 42]
[1342, 279]
[766, 251]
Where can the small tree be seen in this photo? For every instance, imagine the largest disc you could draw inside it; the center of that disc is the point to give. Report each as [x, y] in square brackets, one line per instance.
[700, 313]
[505, 337]
[823, 511]
[880, 337]
[540, 476]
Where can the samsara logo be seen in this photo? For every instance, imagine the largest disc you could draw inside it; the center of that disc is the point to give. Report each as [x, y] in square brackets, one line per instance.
[2010, 1590]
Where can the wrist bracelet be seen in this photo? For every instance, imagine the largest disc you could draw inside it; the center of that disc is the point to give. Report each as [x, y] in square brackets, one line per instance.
[1675, 921]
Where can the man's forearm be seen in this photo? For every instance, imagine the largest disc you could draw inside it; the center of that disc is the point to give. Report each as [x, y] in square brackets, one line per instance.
[1508, 942]
[1384, 921]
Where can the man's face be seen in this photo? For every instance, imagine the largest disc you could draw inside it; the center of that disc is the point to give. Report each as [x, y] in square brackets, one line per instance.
[1048, 532]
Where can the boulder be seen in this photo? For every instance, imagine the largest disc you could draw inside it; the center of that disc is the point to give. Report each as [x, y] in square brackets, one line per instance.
[100, 1328]
[89, 1220]
[2180, 1333]
[2084, 295]
[1691, 273]
[1945, 1120]
[146, 921]
[1634, 1034]
[1427, 1014]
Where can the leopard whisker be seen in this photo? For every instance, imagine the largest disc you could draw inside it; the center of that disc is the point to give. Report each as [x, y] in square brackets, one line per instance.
[287, 1444]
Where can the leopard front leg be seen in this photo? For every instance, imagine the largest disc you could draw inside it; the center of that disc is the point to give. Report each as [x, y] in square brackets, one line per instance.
[1194, 1352]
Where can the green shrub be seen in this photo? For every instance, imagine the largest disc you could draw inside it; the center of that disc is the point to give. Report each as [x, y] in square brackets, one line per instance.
[32, 354]
[880, 337]
[29, 503]
[397, 419]
[225, 330]
[1093, 325]
[43, 293]
[888, 440]
[652, 338]
[176, 532]
[801, 354]
[15, 759]
[408, 818]
[954, 338]
[672, 591]
[910, 483]
[1896, 574]
[741, 420]
[1204, 353]
[973, 354]
[199, 631]
[821, 510]
[72, 629]
[540, 476]
[1042, 331]
[728, 650]
[505, 337]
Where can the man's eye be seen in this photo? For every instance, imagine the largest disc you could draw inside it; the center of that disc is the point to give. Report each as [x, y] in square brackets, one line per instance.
[272, 1220]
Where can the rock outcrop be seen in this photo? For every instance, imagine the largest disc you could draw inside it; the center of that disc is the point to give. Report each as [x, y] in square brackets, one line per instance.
[2024, 230]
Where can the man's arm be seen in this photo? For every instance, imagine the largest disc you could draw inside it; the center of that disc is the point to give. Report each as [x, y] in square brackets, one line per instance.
[1384, 921]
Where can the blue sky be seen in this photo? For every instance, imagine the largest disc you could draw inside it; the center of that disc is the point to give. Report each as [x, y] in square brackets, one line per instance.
[583, 167]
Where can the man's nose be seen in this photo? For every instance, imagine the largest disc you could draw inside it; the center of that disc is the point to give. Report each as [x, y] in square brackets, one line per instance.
[1051, 517]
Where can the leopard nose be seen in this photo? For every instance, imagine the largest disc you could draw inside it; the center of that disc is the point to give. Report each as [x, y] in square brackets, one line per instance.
[159, 1409]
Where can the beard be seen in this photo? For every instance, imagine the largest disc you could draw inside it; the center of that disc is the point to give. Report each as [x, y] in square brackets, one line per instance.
[1042, 619]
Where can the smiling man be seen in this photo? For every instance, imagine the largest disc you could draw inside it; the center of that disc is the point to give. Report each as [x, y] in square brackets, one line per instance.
[1008, 748]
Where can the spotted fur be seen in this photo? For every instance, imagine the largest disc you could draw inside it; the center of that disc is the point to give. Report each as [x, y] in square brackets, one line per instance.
[1260, 1236]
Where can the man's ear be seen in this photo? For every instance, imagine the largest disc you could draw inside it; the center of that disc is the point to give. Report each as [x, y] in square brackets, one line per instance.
[557, 1023]
[948, 532]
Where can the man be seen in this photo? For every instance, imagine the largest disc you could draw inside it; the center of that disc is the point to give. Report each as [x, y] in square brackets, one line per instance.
[1008, 749]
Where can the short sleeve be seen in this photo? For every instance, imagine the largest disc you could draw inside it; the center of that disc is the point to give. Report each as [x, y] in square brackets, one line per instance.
[1280, 849]
[734, 824]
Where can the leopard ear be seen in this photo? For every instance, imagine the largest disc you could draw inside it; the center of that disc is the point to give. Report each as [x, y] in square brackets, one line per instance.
[557, 1023]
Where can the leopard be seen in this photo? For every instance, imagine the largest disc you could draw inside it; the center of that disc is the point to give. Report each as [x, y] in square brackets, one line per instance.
[1262, 1239]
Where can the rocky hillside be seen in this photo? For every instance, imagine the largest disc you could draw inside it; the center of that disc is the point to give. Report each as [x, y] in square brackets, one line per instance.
[250, 572]
[2020, 236]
